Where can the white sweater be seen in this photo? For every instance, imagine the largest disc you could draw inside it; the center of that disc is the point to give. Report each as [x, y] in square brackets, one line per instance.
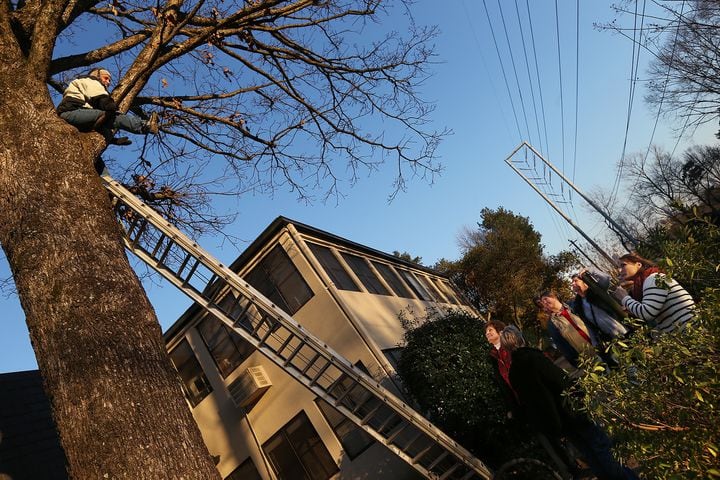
[664, 302]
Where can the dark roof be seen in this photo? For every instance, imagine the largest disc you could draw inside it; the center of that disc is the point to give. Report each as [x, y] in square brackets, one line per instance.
[29, 444]
[280, 222]
[270, 231]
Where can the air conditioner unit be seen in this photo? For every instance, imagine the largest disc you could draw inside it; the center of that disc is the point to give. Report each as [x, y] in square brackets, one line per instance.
[249, 387]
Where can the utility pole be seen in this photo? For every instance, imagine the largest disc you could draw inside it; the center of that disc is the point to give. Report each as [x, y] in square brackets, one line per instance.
[590, 202]
[562, 214]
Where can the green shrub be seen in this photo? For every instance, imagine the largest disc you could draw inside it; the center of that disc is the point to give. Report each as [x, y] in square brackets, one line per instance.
[662, 404]
[445, 369]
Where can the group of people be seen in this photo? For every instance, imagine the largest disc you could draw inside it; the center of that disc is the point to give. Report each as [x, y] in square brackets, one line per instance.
[534, 387]
[595, 317]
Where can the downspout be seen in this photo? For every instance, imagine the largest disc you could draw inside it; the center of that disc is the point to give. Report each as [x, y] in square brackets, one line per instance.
[266, 464]
[359, 329]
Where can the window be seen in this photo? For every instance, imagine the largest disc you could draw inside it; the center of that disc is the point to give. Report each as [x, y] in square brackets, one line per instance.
[437, 296]
[365, 274]
[392, 279]
[353, 439]
[195, 383]
[393, 356]
[415, 286]
[277, 278]
[448, 290]
[296, 452]
[227, 348]
[246, 471]
[333, 268]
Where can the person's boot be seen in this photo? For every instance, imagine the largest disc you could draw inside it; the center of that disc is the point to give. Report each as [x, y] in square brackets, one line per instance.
[152, 126]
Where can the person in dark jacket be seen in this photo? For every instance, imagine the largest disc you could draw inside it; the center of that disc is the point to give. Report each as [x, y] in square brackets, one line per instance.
[540, 388]
[87, 105]
[500, 360]
[599, 311]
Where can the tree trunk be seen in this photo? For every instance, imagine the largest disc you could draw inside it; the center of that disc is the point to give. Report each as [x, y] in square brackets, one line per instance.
[115, 396]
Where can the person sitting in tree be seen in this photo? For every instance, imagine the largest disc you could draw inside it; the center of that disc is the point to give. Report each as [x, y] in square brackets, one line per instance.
[87, 105]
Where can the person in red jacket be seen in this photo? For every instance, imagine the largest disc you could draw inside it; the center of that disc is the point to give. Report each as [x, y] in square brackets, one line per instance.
[87, 105]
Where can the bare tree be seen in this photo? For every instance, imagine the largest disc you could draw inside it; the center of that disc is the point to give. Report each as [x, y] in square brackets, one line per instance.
[253, 95]
[663, 188]
[683, 40]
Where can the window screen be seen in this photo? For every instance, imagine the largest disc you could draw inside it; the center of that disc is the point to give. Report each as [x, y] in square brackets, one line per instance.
[333, 268]
[353, 439]
[195, 383]
[246, 471]
[278, 279]
[365, 274]
[297, 452]
[392, 279]
[228, 349]
[415, 286]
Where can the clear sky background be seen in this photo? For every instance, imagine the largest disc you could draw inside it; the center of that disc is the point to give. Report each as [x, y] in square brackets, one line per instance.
[474, 101]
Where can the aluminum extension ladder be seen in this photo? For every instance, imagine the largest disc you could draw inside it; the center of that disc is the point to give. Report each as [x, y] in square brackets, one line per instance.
[280, 338]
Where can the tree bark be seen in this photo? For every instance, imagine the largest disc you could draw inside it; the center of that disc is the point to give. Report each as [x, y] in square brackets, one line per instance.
[115, 396]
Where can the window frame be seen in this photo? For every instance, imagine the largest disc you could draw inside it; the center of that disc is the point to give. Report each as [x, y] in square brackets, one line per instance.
[393, 279]
[242, 347]
[239, 469]
[367, 276]
[283, 432]
[351, 452]
[337, 273]
[263, 277]
[193, 399]
[420, 292]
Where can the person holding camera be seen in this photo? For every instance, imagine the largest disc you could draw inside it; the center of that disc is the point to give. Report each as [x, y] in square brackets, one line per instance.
[658, 300]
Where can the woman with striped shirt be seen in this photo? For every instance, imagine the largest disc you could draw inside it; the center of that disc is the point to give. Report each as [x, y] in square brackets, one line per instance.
[658, 300]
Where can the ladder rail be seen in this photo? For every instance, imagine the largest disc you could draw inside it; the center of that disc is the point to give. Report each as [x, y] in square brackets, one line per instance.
[273, 318]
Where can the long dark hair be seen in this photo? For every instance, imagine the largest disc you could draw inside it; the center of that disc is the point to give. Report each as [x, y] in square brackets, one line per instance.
[634, 257]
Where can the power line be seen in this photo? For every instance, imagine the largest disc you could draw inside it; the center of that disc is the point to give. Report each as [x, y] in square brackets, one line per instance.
[577, 82]
[631, 99]
[562, 105]
[496, 96]
[667, 79]
[512, 60]
[527, 67]
[537, 73]
[502, 67]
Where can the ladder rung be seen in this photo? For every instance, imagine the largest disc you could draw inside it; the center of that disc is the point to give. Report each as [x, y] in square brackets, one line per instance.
[422, 452]
[372, 412]
[184, 264]
[267, 334]
[365, 401]
[159, 243]
[388, 421]
[414, 439]
[311, 362]
[166, 251]
[399, 429]
[469, 475]
[320, 372]
[439, 459]
[192, 271]
[449, 472]
[141, 230]
[294, 352]
[345, 393]
[285, 344]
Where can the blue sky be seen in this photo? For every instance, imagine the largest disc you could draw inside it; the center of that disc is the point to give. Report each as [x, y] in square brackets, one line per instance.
[471, 99]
